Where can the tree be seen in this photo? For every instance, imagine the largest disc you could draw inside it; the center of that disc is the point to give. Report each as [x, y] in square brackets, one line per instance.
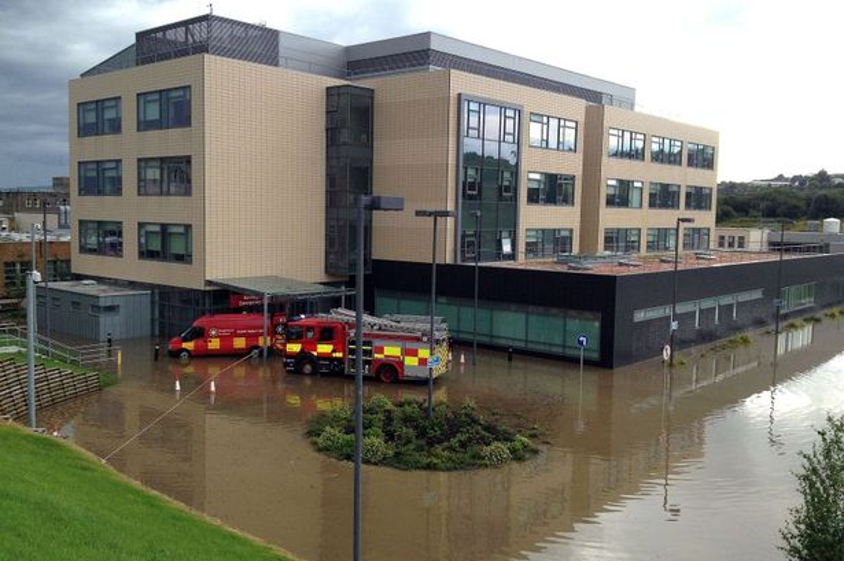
[815, 530]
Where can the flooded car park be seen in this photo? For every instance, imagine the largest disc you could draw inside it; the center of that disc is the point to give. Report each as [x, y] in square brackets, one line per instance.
[637, 463]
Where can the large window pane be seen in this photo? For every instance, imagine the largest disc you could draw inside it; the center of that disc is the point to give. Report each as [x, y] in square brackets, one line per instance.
[98, 117]
[101, 238]
[553, 132]
[624, 193]
[165, 242]
[102, 178]
[629, 145]
[165, 176]
[164, 109]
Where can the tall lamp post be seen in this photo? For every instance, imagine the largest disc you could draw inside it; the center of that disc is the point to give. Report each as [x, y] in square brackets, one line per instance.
[365, 202]
[435, 214]
[673, 327]
[477, 215]
[778, 302]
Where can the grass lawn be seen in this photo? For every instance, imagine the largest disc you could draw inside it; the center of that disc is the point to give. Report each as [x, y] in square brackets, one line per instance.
[59, 503]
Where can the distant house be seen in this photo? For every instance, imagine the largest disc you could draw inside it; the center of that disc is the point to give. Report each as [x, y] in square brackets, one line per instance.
[21, 206]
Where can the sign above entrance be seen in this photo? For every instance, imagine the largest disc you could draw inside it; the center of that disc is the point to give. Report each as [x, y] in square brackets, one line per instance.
[244, 300]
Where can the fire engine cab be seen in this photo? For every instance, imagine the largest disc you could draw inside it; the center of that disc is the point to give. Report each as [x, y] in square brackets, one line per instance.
[395, 348]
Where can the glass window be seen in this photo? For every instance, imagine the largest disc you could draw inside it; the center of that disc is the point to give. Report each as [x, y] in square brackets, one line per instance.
[622, 240]
[666, 151]
[626, 144]
[663, 195]
[662, 239]
[101, 178]
[796, 297]
[165, 242]
[98, 117]
[698, 198]
[553, 132]
[164, 176]
[696, 239]
[547, 243]
[101, 238]
[489, 180]
[624, 193]
[550, 189]
[700, 156]
[164, 109]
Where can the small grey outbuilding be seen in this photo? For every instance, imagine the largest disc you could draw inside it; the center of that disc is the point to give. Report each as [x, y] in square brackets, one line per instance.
[91, 310]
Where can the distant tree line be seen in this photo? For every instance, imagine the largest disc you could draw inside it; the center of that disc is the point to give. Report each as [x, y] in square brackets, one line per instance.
[812, 197]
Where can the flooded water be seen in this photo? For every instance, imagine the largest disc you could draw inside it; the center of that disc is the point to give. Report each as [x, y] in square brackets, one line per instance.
[640, 463]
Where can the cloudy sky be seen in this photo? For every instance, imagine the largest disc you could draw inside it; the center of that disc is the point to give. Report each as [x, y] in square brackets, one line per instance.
[766, 74]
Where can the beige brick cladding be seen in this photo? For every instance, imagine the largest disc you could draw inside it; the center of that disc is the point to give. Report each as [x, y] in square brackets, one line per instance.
[596, 216]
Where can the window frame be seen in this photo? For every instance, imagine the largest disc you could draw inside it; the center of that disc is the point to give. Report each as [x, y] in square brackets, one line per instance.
[100, 229]
[553, 133]
[99, 168]
[665, 152]
[700, 156]
[657, 189]
[698, 197]
[165, 166]
[165, 251]
[164, 99]
[626, 144]
[625, 190]
[98, 107]
[562, 194]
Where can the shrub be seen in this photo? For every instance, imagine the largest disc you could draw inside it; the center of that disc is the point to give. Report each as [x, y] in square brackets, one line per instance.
[495, 454]
[816, 527]
[375, 450]
[336, 443]
[401, 435]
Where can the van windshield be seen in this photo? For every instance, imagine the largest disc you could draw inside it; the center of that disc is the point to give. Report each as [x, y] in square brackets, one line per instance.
[294, 333]
[192, 333]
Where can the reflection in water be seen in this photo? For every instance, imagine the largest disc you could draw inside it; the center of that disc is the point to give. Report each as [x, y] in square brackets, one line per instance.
[796, 339]
[624, 451]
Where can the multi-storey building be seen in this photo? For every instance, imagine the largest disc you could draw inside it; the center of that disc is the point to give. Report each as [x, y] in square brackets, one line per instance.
[212, 149]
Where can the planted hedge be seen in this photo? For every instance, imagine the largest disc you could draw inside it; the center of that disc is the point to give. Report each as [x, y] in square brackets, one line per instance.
[401, 435]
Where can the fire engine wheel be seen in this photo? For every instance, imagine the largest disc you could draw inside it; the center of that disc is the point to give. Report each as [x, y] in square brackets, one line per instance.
[306, 366]
[184, 354]
[388, 373]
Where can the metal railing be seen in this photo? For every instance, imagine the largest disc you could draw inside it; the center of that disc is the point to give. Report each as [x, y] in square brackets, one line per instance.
[98, 355]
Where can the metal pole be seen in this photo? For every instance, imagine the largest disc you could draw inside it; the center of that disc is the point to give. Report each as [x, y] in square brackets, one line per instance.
[477, 261]
[265, 337]
[45, 247]
[358, 377]
[433, 312]
[581, 361]
[30, 347]
[778, 296]
[32, 229]
[674, 293]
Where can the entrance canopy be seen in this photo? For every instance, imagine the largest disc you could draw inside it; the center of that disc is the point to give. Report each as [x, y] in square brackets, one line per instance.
[280, 287]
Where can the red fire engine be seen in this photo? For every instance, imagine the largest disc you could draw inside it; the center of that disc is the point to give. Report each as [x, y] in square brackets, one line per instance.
[394, 348]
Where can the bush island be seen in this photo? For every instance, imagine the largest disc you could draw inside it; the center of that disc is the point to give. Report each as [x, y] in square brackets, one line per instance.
[400, 435]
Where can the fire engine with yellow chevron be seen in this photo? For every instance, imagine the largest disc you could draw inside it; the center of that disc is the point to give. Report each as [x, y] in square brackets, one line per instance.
[395, 347]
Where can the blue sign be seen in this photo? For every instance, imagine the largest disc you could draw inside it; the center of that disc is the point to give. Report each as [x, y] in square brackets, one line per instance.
[582, 340]
[435, 361]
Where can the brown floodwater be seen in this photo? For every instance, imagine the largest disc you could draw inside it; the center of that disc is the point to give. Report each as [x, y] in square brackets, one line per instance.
[639, 463]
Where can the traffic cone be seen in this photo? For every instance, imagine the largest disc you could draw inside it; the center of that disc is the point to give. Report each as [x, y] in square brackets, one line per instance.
[213, 387]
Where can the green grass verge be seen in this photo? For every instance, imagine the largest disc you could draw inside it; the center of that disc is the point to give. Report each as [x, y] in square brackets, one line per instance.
[57, 502]
[401, 435]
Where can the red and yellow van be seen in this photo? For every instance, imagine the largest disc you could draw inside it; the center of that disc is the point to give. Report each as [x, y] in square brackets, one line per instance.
[225, 334]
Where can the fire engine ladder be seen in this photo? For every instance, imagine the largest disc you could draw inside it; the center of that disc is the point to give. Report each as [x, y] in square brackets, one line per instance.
[417, 325]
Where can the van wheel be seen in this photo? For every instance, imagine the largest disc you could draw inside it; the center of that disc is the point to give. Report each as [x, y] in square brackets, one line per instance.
[184, 355]
[306, 367]
[388, 373]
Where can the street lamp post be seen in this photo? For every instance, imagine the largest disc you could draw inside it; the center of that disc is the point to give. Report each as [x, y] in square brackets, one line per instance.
[778, 296]
[477, 215]
[365, 202]
[435, 214]
[673, 327]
